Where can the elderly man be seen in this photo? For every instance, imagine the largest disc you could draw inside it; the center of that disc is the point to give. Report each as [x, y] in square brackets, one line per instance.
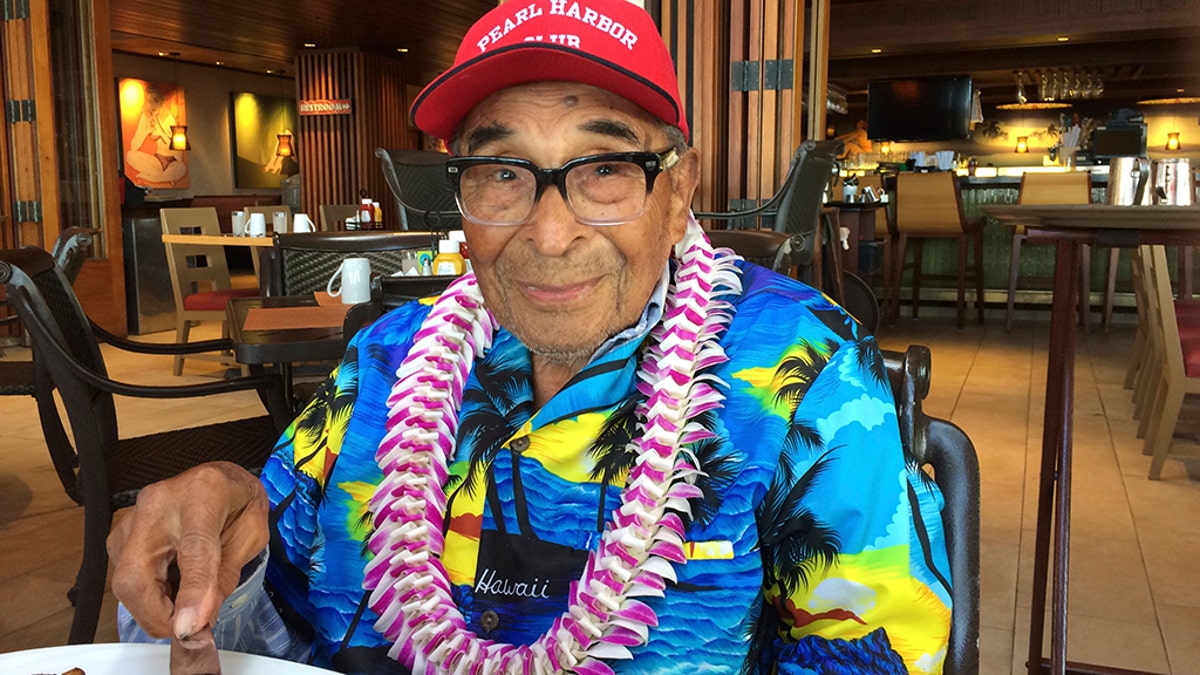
[611, 449]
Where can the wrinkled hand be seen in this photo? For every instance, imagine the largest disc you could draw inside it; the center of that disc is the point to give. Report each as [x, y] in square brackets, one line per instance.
[208, 522]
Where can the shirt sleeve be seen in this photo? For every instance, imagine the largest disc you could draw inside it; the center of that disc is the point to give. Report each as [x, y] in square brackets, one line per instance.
[855, 565]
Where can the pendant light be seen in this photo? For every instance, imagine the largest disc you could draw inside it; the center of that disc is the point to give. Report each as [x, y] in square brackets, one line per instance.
[1173, 140]
[179, 137]
[1022, 144]
[283, 146]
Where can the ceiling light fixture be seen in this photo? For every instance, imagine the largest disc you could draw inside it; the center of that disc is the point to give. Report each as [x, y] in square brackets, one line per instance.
[402, 50]
[876, 50]
[310, 45]
[1022, 144]
[1178, 100]
[1062, 38]
[1173, 140]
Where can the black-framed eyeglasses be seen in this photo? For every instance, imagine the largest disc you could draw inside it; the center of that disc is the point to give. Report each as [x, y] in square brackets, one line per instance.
[607, 189]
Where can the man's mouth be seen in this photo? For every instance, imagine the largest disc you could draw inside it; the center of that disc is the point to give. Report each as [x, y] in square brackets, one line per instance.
[554, 294]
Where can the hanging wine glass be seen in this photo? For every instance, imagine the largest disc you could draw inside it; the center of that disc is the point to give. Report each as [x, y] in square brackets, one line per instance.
[1020, 76]
[1043, 86]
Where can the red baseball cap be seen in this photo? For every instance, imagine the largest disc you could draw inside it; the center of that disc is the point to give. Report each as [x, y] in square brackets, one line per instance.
[611, 44]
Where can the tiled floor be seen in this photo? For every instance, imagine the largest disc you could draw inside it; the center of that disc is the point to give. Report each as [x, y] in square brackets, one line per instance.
[1134, 600]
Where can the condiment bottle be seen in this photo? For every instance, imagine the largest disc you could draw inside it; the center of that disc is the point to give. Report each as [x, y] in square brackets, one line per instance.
[366, 214]
[461, 238]
[449, 262]
[377, 214]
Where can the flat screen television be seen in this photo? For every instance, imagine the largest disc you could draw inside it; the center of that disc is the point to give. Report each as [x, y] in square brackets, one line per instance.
[919, 109]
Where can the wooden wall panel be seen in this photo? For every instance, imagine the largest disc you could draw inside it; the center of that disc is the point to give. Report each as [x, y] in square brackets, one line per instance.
[337, 152]
[702, 67]
[748, 136]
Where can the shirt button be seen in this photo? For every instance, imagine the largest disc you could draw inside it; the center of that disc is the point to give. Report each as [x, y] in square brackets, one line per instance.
[489, 620]
[520, 444]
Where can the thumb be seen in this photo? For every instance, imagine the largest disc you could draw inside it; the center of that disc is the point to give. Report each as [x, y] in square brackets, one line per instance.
[198, 599]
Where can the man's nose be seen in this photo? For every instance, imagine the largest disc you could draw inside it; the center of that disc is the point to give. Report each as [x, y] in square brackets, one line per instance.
[552, 227]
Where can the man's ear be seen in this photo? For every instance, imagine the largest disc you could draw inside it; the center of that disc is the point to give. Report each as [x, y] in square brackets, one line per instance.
[685, 179]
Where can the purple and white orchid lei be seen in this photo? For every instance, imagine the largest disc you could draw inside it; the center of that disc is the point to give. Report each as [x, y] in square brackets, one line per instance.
[410, 589]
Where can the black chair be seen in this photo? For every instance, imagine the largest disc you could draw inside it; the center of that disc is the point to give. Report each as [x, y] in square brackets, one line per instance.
[768, 248]
[796, 207]
[424, 196]
[946, 450]
[302, 262]
[101, 470]
[70, 250]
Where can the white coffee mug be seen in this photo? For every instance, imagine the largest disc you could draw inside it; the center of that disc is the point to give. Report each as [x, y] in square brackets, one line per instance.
[302, 223]
[279, 222]
[239, 223]
[356, 281]
[256, 226]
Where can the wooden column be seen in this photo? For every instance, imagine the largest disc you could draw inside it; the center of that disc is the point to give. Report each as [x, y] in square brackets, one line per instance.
[337, 152]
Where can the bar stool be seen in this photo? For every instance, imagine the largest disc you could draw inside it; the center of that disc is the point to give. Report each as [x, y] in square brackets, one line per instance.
[929, 206]
[1051, 188]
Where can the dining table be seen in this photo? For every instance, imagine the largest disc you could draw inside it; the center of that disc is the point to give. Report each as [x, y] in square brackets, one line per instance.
[860, 220]
[1068, 227]
[283, 330]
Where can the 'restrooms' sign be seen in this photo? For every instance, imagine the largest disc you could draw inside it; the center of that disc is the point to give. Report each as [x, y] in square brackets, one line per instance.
[339, 106]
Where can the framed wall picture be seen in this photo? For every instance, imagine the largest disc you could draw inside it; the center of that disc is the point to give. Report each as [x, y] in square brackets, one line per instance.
[262, 139]
[148, 110]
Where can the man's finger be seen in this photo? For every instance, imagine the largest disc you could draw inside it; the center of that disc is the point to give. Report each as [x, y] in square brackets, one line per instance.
[199, 598]
[195, 656]
[140, 556]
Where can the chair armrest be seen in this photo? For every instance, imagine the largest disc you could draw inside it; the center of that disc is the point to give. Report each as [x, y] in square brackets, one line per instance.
[161, 349]
[107, 384]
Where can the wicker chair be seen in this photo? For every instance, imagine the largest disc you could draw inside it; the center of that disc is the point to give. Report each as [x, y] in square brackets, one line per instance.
[424, 197]
[70, 250]
[103, 471]
[796, 207]
[301, 263]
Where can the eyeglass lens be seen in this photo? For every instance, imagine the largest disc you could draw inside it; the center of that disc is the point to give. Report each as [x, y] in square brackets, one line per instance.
[603, 191]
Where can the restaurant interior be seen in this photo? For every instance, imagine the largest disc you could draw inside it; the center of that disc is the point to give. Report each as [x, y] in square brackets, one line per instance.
[284, 106]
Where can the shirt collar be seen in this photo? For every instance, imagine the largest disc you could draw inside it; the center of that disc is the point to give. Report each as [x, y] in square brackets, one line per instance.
[649, 318]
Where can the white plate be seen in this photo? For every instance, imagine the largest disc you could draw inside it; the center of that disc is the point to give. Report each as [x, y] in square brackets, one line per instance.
[131, 659]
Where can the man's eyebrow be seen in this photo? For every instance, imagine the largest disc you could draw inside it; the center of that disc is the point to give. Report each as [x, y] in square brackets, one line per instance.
[481, 136]
[613, 129]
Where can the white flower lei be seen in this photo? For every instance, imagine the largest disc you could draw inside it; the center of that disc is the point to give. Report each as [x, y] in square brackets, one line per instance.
[410, 590]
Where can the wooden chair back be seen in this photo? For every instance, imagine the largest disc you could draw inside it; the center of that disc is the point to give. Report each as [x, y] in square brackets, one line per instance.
[332, 214]
[929, 204]
[194, 269]
[269, 213]
[1073, 187]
